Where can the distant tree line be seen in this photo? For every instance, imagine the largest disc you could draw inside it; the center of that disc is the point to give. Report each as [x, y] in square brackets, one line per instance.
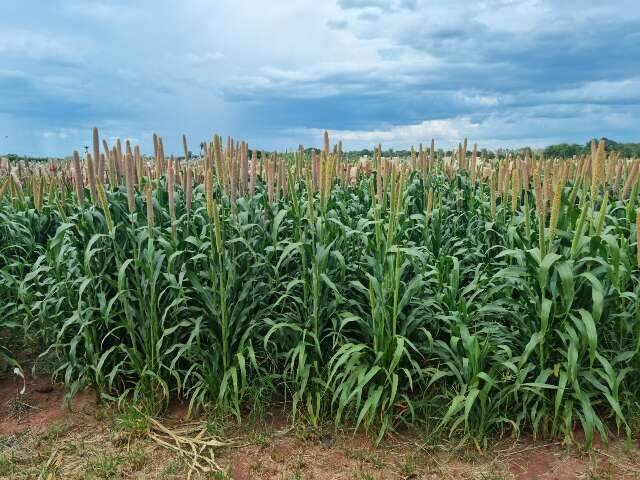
[560, 150]
[12, 157]
[567, 150]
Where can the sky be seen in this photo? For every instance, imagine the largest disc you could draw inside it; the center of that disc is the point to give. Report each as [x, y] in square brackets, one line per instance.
[504, 73]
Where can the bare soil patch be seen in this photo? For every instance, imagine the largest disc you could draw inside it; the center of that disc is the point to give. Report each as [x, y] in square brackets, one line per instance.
[41, 438]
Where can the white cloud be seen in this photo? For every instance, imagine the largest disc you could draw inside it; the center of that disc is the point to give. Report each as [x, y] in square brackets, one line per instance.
[60, 133]
[396, 71]
[602, 91]
[205, 57]
[476, 99]
[338, 24]
[24, 44]
[446, 131]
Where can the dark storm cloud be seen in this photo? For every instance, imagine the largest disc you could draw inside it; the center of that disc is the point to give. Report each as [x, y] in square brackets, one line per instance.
[498, 70]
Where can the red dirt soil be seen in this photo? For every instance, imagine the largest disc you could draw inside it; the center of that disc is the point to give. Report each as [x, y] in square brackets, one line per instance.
[40, 406]
[276, 451]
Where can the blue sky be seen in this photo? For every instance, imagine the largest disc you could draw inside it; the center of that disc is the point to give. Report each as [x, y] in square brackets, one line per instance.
[501, 72]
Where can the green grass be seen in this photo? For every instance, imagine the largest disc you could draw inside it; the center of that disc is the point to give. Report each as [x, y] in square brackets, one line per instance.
[176, 467]
[136, 457]
[366, 476]
[55, 431]
[105, 465]
[132, 421]
[409, 469]
[364, 456]
[7, 465]
[220, 476]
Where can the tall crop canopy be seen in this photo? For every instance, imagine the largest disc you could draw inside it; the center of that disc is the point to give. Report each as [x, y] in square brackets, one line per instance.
[494, 295]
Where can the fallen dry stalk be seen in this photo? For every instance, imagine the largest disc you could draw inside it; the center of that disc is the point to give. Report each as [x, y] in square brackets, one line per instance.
[198, 449]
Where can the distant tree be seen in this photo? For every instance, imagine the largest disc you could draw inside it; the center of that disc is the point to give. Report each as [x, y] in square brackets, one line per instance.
[564, 150]
[12, 157]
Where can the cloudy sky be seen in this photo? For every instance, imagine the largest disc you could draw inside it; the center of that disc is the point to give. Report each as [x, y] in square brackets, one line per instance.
[276, 73]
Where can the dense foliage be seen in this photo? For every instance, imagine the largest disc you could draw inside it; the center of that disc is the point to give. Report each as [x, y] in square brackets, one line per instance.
[495, 298]
[565, 150]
